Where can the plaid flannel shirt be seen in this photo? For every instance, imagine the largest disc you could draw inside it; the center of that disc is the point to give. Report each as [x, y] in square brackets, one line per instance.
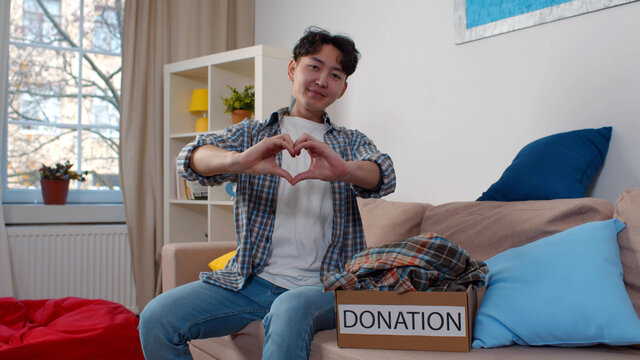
[255, 204]
[427, 262]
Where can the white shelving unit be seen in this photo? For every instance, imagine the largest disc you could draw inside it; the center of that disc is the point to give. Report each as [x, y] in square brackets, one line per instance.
[262, 66]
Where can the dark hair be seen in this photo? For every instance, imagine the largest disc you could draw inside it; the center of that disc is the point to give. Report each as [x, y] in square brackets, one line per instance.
[314, 37]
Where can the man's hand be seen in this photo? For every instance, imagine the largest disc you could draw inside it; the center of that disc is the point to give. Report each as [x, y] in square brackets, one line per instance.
[327, 165]
[260, 159]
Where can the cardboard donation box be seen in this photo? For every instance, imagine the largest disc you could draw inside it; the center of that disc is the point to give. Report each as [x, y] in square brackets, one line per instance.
[441, 321]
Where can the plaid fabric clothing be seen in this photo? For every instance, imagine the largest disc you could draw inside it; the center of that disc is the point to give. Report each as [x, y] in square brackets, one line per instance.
[255, 204]
[427, 262]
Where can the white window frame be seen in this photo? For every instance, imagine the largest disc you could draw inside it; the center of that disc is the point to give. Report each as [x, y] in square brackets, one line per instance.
[34, 196]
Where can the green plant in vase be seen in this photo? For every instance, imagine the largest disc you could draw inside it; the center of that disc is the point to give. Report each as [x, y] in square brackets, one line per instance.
[54, 182]
[240, 104]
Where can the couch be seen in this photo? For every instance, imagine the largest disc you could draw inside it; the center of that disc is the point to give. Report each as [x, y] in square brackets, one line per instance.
[483, 228]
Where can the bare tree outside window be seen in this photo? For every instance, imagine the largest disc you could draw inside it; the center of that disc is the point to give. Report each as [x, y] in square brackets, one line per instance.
[63, 98]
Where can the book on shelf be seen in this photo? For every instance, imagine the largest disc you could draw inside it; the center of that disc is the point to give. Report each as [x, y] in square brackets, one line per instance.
[190, 190]
[181, 187]
[195, 191]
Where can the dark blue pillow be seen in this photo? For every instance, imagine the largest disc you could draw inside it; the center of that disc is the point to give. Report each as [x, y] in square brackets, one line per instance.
[558, 166]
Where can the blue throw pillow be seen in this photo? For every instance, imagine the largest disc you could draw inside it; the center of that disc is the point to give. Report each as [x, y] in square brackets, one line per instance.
[564, 290]
[558, 166]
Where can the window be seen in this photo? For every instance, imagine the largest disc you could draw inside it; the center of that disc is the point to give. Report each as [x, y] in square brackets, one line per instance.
[36, 27]
[63, 97]
[106, 28]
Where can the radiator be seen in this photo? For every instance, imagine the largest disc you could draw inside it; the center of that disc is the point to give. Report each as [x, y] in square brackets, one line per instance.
[88, 261]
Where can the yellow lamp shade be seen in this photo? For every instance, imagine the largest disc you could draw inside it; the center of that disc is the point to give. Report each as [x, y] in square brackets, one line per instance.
[199, 100]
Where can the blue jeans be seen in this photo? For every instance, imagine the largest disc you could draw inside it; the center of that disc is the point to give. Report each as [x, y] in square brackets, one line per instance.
[201, 310]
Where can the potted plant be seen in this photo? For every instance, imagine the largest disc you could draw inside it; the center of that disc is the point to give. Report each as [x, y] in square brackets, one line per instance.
[54, 182]
[240, 104]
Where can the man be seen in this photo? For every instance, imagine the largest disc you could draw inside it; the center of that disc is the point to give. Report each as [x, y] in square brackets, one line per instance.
[296, 214]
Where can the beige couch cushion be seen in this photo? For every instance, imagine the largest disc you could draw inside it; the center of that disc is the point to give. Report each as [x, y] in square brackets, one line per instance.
[627, 209]
[324, 347]
[486, 228]
[390, 221]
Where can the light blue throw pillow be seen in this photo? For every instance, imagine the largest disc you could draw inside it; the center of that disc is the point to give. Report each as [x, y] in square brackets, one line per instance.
[563, 290]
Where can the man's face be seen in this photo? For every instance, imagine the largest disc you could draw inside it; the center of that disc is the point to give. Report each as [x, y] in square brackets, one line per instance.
[318, 81]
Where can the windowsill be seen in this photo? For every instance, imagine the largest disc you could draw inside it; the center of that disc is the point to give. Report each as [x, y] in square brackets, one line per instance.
[15, 214]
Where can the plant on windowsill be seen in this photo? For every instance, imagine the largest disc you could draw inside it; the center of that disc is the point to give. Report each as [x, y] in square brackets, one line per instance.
[240, 104]
[54, 182]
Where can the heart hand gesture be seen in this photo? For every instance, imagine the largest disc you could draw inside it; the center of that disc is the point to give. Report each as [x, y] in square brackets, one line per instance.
[260, 159]
[325, 165]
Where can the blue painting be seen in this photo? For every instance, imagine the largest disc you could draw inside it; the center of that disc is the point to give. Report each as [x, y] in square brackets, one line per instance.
[477, 19]
[480, 12]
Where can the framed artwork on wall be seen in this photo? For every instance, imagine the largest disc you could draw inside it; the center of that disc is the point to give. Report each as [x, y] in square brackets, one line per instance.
[477, 19]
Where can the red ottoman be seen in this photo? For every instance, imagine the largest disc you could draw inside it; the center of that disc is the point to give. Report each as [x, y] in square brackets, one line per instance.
[67, 328]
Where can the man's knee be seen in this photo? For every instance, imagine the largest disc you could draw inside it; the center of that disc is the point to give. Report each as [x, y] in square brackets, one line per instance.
[300, 305]
[288, 305]
[151, 317]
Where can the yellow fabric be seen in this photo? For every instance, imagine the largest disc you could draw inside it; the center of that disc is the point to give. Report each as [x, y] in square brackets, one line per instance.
[220, 262]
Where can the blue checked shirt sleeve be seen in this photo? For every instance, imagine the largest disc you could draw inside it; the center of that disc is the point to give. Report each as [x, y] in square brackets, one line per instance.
[233, 138]
[363, 149]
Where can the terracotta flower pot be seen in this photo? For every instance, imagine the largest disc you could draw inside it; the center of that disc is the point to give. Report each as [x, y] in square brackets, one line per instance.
[239, 115]
[54, 192]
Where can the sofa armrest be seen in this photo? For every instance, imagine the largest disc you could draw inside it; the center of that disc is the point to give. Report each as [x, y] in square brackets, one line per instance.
[183, 262]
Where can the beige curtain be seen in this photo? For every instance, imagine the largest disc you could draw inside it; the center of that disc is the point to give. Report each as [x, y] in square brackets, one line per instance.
[6, 274]
[157, 32]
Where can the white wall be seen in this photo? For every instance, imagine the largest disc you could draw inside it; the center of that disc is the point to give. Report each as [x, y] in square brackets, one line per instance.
[452, 117]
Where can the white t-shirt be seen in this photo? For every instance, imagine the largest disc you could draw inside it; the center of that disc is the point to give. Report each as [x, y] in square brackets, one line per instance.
[304, 217]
